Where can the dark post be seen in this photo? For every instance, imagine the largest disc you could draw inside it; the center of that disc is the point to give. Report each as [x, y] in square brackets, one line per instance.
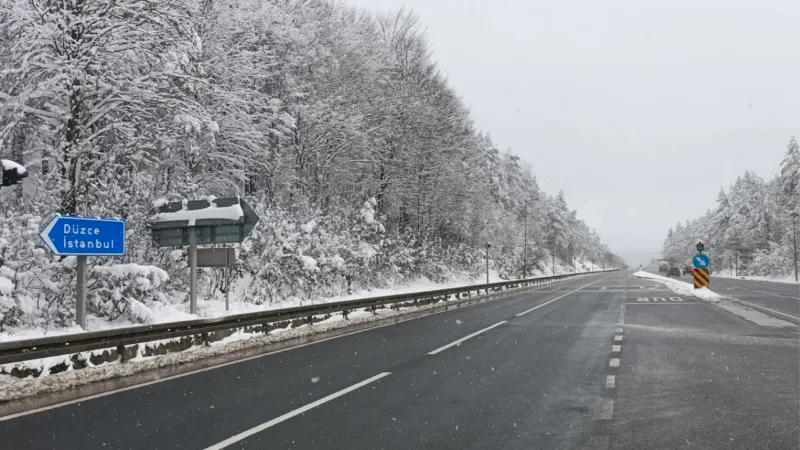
[736, 252]
[80, 312]
[193, 268]
[487, 262]
[525, 248]
[553, 255]
[794, 241]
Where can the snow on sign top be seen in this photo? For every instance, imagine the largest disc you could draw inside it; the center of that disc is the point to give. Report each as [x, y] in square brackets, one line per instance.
[232, 212]
[8, 165]
[210, 221]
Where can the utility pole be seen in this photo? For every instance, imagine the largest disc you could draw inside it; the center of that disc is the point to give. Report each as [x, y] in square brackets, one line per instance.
[553, 255]
[487, 262]
[736, 252]
[525, 247]
[794, 241]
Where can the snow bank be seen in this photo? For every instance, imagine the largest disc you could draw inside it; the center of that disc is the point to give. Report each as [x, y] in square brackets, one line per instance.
[681, 287]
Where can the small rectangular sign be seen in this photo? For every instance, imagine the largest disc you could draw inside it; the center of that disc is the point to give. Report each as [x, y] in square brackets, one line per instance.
[84, 236]
[216, 257]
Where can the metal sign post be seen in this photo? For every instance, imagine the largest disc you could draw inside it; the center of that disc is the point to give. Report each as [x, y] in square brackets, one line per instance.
[80, 292]
[82, 237]
[199, 222]
[193, 268]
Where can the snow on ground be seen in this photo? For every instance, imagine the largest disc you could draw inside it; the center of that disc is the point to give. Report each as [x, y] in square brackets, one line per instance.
[680, 287]
[728, 304]
[730, 274]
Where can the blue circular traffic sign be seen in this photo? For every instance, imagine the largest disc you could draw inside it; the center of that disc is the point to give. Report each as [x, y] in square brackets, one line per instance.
[701, 261]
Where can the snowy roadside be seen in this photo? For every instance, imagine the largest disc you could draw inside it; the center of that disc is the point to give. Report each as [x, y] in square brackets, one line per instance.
[788, 279]
[18, 388]
[729, 304]
[166, 312]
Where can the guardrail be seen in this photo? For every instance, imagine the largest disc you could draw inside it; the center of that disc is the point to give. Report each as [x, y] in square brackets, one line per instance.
[29, 349]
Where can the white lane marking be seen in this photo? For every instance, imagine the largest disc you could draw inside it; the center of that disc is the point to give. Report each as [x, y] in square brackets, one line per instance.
[666, 303]
[774, 294]
[611, 381]
[606, 409]
[768, 309]
[616, 348]
[618, 330]
[613, 362]
[560, 297]
[296, 412]
[618, 338]
[604, 288]
[454, 343]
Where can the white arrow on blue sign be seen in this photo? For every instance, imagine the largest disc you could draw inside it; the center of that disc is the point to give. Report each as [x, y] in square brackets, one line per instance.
[84, 236]
[701, 261]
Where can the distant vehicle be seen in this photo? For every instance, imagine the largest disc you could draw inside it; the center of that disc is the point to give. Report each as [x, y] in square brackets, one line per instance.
[674, 272]
[687, 270]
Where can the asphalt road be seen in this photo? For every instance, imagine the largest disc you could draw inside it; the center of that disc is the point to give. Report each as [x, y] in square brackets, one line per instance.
[781, 297]
[602, 361]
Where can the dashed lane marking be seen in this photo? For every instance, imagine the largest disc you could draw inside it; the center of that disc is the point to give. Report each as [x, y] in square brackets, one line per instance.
[618, 338]
[613, 363]
[245, 434]
[611, 381]
[454, 343]
[616, 348]
[618, 330]
[606, 409]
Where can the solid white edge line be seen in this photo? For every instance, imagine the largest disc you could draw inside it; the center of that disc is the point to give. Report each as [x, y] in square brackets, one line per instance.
[560, 297]
[245, 434]
[775, 295]
[454, 343]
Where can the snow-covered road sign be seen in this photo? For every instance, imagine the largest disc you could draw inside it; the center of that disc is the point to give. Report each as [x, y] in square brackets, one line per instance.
[12, 173]
[214, 221]
[84, 236]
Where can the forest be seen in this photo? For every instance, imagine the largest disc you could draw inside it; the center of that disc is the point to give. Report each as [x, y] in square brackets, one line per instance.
[335, 124]
[751, 230]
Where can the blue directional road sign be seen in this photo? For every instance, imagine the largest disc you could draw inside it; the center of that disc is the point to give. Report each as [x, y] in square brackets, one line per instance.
[84, 236]
[701, 261]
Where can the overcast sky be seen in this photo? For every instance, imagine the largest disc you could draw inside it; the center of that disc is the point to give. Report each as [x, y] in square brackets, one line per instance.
[640, 111]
